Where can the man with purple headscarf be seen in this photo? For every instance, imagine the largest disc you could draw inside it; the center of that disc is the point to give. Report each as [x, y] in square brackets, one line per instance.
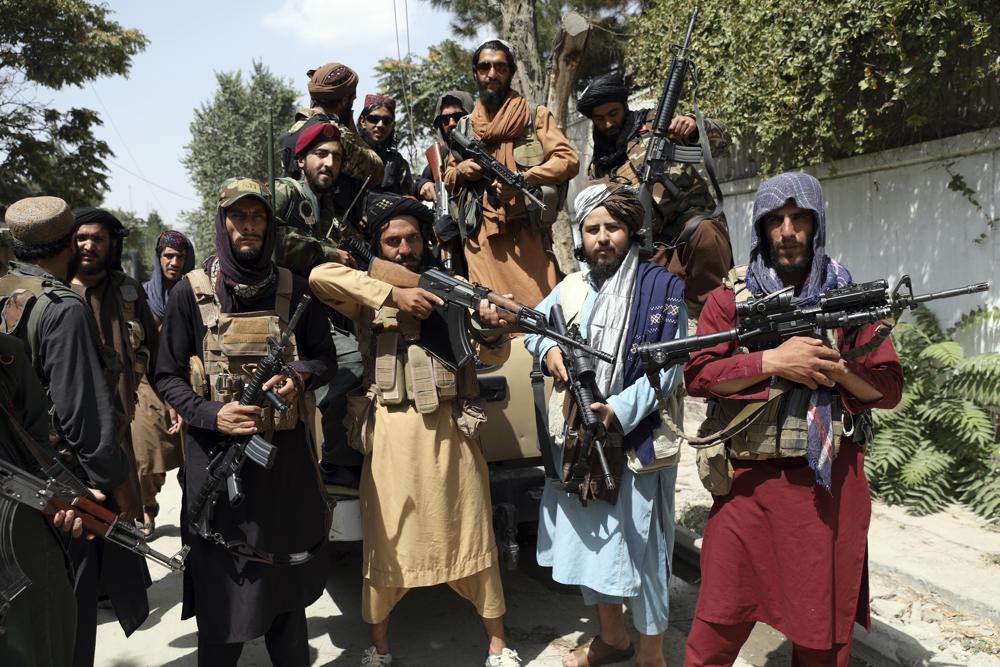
[786, 541]
[266, 560]
[156, 437]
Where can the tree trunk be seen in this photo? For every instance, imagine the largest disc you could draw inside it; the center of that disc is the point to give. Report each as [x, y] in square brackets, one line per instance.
[566, 56]
[517, 27]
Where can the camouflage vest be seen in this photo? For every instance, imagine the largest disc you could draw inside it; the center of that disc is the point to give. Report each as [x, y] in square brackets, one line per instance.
[235, 342]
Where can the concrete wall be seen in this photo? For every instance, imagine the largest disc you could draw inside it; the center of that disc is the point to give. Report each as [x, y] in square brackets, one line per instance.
[892, 212]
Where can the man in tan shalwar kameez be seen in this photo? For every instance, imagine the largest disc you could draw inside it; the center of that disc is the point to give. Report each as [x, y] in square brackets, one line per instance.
[425, 500]
[509, 250]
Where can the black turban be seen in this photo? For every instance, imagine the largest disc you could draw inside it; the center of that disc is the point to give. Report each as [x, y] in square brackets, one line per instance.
[381, 207]
[603, 89]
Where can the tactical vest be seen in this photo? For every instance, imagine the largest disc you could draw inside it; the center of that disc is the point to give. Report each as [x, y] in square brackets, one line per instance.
[401, 371]
[528, 152]
[780, 428]
[235, 342]
[139, 354]
[666, 445]
[22, 304]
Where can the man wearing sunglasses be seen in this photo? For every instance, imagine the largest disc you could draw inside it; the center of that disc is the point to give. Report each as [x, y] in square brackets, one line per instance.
[450, 108]
[508, 247]
[377, 126]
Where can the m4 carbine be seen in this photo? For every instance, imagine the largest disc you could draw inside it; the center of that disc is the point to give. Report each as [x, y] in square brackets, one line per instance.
[226, 463]
[767, 321]
[446, 333]
[584, 425]
[493, 169]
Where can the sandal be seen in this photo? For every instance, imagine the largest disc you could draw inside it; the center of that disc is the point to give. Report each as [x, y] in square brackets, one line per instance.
[147, 528]
[598, 652]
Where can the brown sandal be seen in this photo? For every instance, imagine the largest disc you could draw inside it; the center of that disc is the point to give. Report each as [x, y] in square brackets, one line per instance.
[598, 652]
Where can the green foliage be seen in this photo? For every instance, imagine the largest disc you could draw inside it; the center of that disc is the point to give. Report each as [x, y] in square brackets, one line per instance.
[139, 252]
[810, 82]
[940, 444]
[419, 82]
[55, 43]
[229, 136]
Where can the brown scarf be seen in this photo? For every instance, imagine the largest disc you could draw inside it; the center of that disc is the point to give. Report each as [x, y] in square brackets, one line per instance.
[498, 133]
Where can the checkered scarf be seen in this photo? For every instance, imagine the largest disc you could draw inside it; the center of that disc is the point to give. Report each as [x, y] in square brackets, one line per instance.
[803, 191]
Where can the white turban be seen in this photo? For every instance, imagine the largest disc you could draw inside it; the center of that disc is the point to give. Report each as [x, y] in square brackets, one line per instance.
[588, 199]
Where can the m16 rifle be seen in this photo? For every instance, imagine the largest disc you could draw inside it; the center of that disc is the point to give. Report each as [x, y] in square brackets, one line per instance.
[227, 462]
[587, 434]
[48, 491]
[767, 321]
[660, 151]
[493, 169]
[445, 334]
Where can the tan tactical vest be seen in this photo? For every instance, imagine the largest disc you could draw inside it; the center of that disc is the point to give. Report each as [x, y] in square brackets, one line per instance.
[235, 342]
[780, 429]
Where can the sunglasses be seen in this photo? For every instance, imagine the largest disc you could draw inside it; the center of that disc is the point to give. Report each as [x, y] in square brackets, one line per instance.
[444, 118]
[484, 67]
[375, 119]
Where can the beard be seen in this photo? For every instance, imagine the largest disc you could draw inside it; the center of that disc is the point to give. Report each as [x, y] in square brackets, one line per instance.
[492, 100]
[785, 267]
[378, 146]
[247, 256]
[316, 187]
[94, 268]
[600, 271]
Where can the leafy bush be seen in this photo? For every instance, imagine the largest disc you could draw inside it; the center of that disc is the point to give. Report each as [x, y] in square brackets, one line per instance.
[807, 82]
[940, 444]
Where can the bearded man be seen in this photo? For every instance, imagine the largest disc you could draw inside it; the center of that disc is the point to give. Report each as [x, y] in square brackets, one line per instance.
[450, 108]
[425, 491]
[156, 429]
[616, 551]
[377, 126]
[786, 541]
[689, 232]
[508, 246]
[264, 560]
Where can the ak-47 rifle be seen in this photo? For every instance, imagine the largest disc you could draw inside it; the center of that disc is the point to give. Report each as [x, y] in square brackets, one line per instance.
[227, 462]
[52, 489]
[586, 430]
[493, 169]
[660, 151]
[767, 321]
[446, 333]
[450, 232]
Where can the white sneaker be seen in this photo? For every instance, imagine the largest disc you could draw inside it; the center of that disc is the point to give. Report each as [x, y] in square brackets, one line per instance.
[507, 658]
[372, 658]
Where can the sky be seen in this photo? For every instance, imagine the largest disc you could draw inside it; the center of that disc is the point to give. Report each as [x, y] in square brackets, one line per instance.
[147, 114]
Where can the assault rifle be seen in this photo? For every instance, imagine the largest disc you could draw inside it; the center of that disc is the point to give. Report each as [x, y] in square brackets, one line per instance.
[584, 425]
[445, 334]
[52, 489]
[767, 321]
[444, 225]
[493, 169]
[227, 462]
[660, 151]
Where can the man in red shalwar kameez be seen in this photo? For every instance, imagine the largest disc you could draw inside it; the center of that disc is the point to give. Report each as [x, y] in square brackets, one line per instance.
[787, 544]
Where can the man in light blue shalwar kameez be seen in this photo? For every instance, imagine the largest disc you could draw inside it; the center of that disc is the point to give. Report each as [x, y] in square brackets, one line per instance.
[617, 552]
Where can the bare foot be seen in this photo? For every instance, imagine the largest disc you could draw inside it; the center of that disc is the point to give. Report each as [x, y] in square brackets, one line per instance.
[595, 652]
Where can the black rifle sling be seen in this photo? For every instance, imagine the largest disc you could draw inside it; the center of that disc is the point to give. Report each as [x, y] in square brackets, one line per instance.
[542, 423]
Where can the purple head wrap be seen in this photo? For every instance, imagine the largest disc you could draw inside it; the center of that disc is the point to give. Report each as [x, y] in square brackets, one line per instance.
[156, 289]
[251, 278]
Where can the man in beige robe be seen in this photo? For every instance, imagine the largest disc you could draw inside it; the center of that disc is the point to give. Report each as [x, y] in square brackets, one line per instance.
[510, 249]
[425, 498]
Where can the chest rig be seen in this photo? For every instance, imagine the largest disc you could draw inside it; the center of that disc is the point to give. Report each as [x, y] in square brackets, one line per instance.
[235, 342]
[398, 370]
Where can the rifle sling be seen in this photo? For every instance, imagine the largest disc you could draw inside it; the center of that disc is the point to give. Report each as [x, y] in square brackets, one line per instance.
[542, 423]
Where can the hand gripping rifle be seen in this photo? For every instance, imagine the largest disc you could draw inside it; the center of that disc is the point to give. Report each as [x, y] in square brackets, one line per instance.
[660, 151]
[493, 169]
[445, 334]
[584, 425]
[52, 489]
[227, 462]
[767, 321]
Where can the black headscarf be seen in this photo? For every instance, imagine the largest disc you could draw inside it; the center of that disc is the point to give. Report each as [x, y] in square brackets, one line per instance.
[257, 277]
[381, 207]
[611, 153]
[89, 215]
[601, 90]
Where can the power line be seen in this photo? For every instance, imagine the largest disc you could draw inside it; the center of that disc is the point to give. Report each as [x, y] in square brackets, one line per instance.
[402, 71]
[152, 183]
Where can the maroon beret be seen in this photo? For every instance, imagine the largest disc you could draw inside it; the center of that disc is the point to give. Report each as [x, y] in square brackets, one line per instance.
[313, 133]
[384, 100]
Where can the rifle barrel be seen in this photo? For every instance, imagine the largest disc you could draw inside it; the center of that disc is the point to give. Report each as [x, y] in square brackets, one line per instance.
[948, 293]
[690, 31]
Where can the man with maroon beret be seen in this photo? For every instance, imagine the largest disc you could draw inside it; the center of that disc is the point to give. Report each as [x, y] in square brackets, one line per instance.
[377, 126]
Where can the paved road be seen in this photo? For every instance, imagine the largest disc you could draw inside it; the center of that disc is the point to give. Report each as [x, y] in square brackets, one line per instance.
[431, 627]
